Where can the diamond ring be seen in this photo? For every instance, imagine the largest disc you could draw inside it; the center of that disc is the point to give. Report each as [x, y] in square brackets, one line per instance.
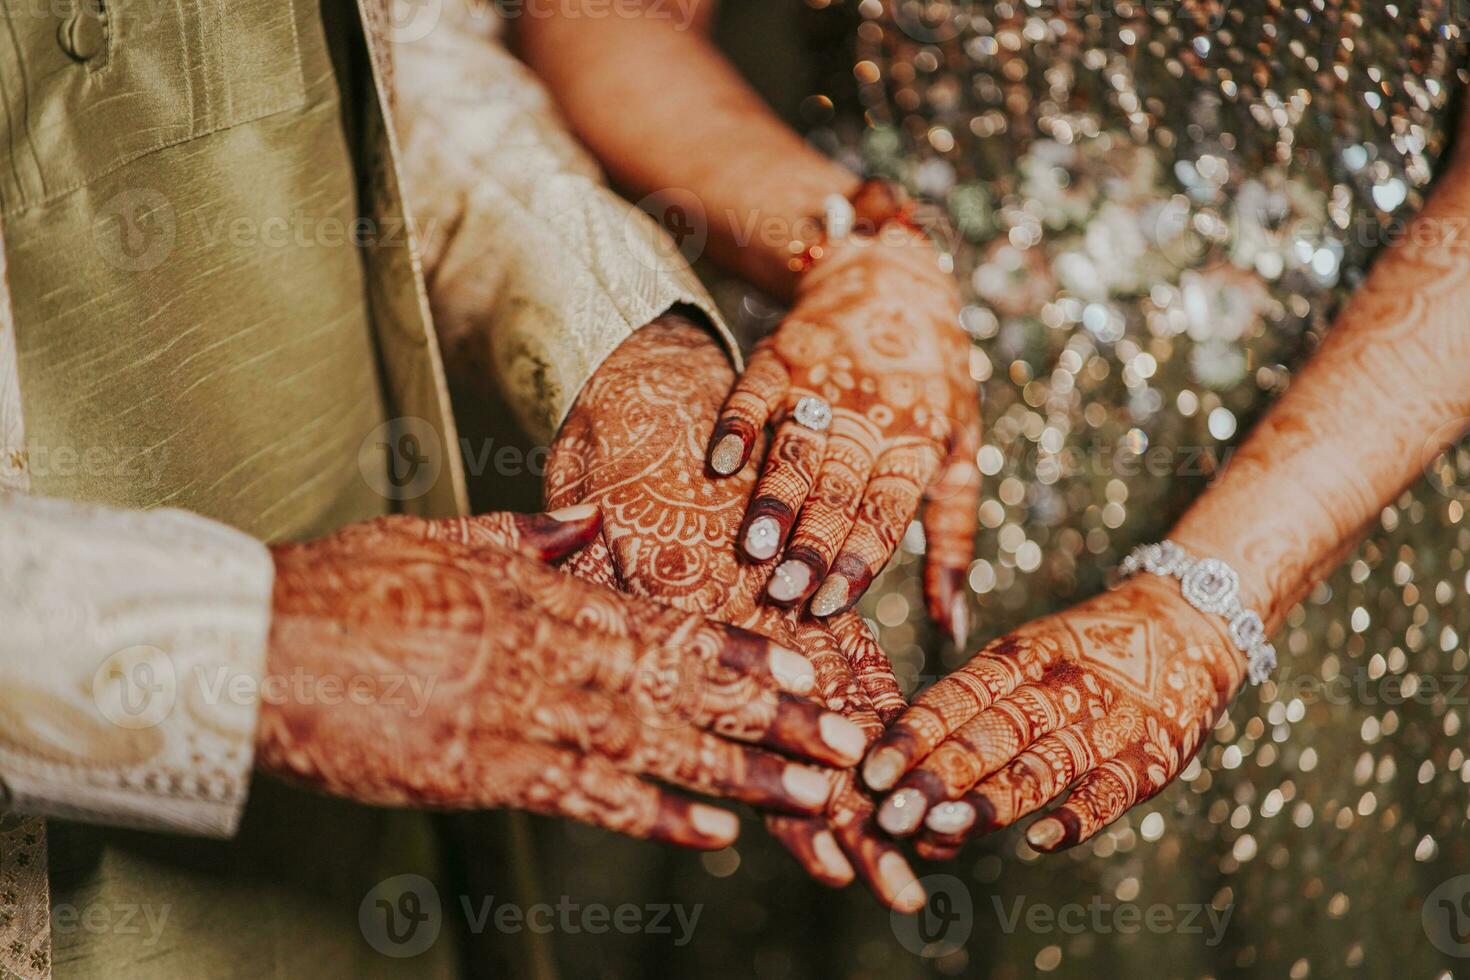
[814, 413]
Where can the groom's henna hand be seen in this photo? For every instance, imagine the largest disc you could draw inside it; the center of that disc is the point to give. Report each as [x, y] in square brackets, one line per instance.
[441, 664]
[633, 445]
[1112, 697]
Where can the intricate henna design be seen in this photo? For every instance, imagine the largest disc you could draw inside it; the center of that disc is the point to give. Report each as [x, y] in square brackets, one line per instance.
[442, 664]
[875, 333]
[1117, 692]
[633, 445]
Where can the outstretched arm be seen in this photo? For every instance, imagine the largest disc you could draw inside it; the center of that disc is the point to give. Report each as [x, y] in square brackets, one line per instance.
[661, 108]
[1114, 696]
[874, 330]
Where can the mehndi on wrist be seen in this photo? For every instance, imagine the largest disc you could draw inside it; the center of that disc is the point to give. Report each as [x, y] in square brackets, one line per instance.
[1211, 586]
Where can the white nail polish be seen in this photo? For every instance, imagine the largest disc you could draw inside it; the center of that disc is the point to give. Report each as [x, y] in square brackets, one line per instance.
[825, 846]
[899, 882]
[902, 812]
[720, 825]
[762, 538]
[959, 620]
[807, 786]
[883, 769]
[842, 736]
[792, 671]
[580, 512]
[952, 817]
[1046, 833]
[830, 597]
[726, 457]
[789, 581]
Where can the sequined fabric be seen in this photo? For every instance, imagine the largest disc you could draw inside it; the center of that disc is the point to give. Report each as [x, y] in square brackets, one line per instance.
[1157, 209]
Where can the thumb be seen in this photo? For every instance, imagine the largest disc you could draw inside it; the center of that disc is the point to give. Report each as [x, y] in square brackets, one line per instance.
[545, 537]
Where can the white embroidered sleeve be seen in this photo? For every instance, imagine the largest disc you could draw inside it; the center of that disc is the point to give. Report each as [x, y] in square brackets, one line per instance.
[526, 252]
[131, 650]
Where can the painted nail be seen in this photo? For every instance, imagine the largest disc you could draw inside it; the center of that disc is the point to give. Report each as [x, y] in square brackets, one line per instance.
[831, 597]
[718, 825]
[902, 812]
[726, 457]
[842, 736]
[1045, 833]
[952, 817]
[883, 768]
[806, 786]
[830, 856]
[959, 620]
[567, 515]
[792, 671]
[789, 581]
[899, 881]
[762, 538]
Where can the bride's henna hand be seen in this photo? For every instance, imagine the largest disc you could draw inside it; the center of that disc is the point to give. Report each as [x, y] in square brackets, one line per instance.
[875, 333]
[633, 445]
[1112, 697]
[442, 664]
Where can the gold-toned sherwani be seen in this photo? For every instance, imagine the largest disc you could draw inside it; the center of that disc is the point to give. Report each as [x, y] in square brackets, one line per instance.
[215, 332]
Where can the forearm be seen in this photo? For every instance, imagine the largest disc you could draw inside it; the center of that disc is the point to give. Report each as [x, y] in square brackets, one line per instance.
[1387, 391]
[662, 109]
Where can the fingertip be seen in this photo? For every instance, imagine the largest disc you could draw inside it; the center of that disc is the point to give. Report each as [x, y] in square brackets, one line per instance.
[902, 889]
[729, 454]
[1046, 834]
[902, 812]
[883, 767]
[835, 865]
[718, 828]
[561, 532]
[843, 737]
[790, 583]
[792, 672]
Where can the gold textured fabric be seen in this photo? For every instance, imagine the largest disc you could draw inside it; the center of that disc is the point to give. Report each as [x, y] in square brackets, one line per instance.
[194, 328]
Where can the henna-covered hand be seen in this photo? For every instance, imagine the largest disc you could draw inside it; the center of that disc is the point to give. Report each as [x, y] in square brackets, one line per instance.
[1112, 697]
[443, 664]
[633, 445]
[875, 333]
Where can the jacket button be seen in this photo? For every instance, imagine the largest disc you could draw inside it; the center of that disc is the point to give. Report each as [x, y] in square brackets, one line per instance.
[83, 35]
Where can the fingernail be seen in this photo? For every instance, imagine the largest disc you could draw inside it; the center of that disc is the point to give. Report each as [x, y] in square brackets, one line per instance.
[792, 671]
[762, 538]
[719, 825]
[899, 881]
[842, 736]
[1045, 833]
[831, 597]
[959, 620]
[789, 581]
[807, 786]
[952, 817]
[883, 768]
[830, 856]
[567, 515]
[726, 457]
[902, 812]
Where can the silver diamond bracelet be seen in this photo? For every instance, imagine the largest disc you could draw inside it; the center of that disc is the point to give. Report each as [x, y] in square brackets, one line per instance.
[1211, 586]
